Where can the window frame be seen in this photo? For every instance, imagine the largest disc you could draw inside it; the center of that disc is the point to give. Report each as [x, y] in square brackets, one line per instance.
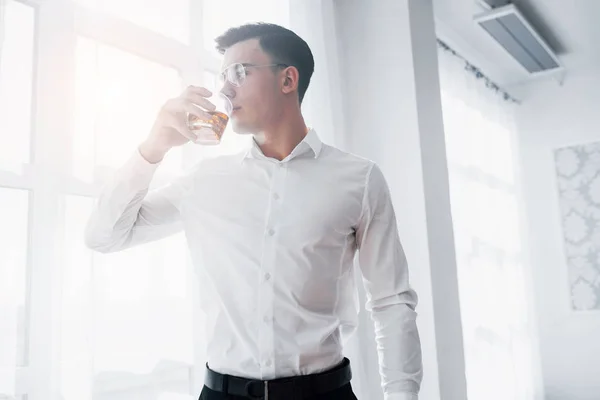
[47, 177]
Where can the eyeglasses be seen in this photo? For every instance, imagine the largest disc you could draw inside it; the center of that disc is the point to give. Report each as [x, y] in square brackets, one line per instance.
[236, 73]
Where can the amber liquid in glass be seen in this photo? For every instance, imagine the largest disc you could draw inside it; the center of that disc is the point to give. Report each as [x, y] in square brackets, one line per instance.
[209, 131]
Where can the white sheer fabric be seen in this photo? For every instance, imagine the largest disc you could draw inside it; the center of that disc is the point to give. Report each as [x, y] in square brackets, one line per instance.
[493, 274]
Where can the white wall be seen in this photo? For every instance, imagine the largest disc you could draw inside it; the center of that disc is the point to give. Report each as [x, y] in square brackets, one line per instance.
[551, 117]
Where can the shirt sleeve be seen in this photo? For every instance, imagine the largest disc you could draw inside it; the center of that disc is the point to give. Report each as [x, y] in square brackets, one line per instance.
[127, 213]
[390, 299]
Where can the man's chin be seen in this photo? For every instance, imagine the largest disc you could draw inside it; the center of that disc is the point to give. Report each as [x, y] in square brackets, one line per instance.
[241, 129]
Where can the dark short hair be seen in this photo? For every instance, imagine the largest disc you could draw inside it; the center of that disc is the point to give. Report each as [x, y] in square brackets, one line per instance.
[283, 45]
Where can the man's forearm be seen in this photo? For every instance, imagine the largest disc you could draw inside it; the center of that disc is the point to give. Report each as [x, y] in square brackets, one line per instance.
[399, 350]
[117, 208]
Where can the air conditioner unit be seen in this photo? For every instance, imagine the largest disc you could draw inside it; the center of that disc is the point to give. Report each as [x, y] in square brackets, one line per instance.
[514, 33]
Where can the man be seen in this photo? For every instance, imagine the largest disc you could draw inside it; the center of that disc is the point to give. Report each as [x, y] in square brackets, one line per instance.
[273, 232]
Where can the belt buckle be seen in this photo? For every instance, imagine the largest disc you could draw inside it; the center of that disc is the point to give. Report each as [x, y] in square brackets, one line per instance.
[252, 396]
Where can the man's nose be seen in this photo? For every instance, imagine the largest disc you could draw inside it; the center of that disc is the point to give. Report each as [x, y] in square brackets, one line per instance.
[228, 90]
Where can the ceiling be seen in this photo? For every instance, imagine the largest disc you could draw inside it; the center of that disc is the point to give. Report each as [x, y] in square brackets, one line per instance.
[570, 27]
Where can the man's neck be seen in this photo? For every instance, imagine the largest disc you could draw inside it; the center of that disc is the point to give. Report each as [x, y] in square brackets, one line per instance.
[281, 139]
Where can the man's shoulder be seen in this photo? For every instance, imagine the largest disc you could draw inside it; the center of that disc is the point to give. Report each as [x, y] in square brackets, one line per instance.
[337, 153]
[351, 162]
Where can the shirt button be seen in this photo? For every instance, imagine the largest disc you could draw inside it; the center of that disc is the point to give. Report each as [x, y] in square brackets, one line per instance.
[268, 363]
[267, 276]
[271, 232]
[266, 319]
[275, 196]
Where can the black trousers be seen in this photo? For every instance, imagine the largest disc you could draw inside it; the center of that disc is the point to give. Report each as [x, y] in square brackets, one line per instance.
[343, 393]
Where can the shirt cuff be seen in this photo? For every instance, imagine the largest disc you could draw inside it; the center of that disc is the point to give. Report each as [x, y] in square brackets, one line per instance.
[141, 162]
[401, 396]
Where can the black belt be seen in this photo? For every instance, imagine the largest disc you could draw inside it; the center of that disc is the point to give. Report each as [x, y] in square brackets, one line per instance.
[296, 387]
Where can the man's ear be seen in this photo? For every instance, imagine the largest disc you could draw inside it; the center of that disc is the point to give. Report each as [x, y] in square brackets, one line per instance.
[290, 78]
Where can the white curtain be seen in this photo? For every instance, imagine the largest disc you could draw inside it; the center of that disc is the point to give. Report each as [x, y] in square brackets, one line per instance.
[493, 273]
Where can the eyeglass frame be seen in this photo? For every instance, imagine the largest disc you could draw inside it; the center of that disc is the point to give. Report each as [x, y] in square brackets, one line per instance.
[223, 76]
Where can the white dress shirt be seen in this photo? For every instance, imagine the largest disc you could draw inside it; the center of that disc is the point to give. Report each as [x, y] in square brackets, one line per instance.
[273, 244]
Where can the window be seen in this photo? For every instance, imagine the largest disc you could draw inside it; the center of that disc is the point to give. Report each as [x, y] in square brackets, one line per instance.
[480, 147]
[129, 325]
[77, 306]
[118, 94]
[126, 317]
[219, 15]
[169, 18]
[13, 282]
[17, 31]
[17, 28]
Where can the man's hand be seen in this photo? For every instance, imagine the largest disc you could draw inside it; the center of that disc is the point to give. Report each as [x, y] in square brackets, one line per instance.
[170, 128]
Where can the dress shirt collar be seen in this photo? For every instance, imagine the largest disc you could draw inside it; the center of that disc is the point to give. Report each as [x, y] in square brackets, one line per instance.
[311, 142]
